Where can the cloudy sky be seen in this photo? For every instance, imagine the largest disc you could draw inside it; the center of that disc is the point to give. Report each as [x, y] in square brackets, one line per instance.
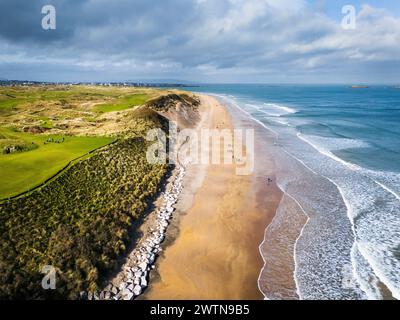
[269, 41]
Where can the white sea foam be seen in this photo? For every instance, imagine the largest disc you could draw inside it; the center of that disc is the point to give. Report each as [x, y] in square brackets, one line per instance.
[298, 288]
[278, 249]
[279, 121]
[253, 106]
[297, 272]
[376, 224]
[321, 148]
[364, 274]
[373, 208]
[333, 144]
[284, 109]
[234, 103]
[390, 181]
[310, 291]
[271, 109]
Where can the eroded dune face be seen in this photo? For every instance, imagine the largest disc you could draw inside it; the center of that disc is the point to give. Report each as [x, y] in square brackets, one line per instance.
[182, 109]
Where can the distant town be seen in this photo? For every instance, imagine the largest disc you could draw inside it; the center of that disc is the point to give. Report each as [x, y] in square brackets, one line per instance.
[15, 83]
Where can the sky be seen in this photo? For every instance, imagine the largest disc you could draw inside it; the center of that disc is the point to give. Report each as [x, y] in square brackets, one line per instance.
[207, 41]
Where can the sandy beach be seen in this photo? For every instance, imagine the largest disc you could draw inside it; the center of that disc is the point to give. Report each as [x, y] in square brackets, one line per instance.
[212, 245]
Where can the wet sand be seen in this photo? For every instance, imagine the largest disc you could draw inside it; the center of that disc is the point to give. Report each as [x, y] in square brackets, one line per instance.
[212, 247]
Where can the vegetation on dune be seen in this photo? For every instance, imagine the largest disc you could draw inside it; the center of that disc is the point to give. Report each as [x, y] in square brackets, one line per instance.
[78, 222]
[165, 102]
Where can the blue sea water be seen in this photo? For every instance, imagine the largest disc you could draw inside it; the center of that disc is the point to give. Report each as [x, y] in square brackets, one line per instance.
[350, 139]
[370, 116]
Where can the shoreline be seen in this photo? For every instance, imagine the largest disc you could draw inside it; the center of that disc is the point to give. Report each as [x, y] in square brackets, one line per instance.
[277, 279]
[203, 237]
[212, 246]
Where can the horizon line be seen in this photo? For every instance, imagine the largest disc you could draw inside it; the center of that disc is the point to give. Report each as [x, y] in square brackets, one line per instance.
[189, 83]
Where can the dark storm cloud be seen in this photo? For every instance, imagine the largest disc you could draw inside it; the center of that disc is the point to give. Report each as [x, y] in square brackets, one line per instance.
[20, 20]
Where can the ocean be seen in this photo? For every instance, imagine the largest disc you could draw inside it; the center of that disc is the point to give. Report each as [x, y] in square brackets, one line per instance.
[338, 158]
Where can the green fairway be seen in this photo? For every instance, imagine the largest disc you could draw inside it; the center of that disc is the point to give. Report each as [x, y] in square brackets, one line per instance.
[124, 103]
[22, 171]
